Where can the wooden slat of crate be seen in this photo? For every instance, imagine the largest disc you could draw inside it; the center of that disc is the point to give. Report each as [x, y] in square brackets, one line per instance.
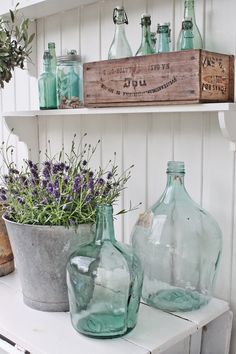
[165, 78]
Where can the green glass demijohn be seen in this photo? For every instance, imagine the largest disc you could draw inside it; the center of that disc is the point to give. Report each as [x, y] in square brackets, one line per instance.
[47, 84]
[189, 12]
[120, 47]
[179, 245]
[104, 282]
[146, 46]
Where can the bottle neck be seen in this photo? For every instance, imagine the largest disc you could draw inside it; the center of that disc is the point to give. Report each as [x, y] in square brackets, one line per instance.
[104, 224]
[163, 42]
[47, 66]
[189, 10]
[146, 34]
[119, 30]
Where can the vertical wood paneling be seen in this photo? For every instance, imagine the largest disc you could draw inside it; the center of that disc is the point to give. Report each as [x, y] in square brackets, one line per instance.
[148, 141]
[90, 32]
[188, 143]
[217, 195]
[135, 152]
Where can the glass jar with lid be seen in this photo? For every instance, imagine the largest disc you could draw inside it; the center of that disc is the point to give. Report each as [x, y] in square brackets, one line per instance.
[69, 81]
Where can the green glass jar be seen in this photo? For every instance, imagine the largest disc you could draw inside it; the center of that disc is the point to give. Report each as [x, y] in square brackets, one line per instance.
[52, 51]
[104, 283]
[189, 13]
[146, 46]
[179, 245]
[69, 81]
[47, 85]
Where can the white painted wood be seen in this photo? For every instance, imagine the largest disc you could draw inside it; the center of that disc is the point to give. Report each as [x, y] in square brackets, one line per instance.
[161, 331]
[40, 8]
[216, 335]
[180, 348]
[195, 342]
[204, 107]
[206, 314]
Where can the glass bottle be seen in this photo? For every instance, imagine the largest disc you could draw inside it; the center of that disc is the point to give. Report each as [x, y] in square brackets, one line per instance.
[189, 12]
[187, 35]
[179, 245]
[52, 51]
[153, 40]
[120, 47]
[164, 37]
[146, 42]
[69, 80]
[104, 283]
[47, 85]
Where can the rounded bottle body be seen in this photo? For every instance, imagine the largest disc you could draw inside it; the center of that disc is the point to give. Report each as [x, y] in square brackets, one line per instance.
[104, 286]
[179, 245]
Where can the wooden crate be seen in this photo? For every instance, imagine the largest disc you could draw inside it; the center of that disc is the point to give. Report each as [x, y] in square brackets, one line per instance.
[167, 78]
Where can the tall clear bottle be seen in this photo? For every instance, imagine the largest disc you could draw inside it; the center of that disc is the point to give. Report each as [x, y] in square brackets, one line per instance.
[120, 47]
[179, 245]
[52, 51]
[163, 30]
[104, 283]
[47, 85]
[146, 46]
[189, 12]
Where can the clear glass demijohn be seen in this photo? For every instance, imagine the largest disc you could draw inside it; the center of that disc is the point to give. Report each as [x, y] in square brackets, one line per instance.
[179, 245]
[104, 283]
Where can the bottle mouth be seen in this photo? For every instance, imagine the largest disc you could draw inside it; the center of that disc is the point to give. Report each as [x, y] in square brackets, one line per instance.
[175, 167]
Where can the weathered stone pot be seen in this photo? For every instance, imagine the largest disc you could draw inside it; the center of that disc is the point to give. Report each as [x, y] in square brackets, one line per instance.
[41, 254]
[6, 255]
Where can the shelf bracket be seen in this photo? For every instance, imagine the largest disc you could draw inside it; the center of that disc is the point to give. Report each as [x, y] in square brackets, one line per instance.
[227, 122]
[26, 128]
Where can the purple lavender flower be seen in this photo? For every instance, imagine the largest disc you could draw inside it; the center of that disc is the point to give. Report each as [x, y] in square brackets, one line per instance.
[21, 200]
[3, 197]
[69, 199]
[30, 163]
[77, 184]
[49, 188]
[109, 175]
[44, 183]
[100, 181]
[56, 193]
[84, 163]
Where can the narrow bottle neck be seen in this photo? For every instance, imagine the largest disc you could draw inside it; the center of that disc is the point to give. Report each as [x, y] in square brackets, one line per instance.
[146, 34]
[163, 42]
[104, 224]
[47, 66]
[189, 11]
[175, 179]
[120, 31]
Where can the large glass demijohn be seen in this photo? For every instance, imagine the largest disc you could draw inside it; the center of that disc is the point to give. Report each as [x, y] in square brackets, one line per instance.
[179, 245]
[104, 283]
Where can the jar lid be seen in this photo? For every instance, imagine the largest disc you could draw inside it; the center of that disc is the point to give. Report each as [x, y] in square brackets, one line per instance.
[71, 56]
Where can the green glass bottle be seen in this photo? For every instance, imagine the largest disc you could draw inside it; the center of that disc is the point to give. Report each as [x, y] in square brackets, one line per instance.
[47, 85]
[104, 283]
[189, 12]
[153, 40]
[187, 35]
[163, 31]
[179, 245]
[52, 51]
[146, 46]
[120, 47]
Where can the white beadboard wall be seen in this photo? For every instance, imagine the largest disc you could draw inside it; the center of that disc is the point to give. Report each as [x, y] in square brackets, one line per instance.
[147, 140]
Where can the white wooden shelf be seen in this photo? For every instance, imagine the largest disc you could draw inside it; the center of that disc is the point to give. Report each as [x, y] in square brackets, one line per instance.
[34, 9]
[226, 115]
[156, 331]
[188, 108]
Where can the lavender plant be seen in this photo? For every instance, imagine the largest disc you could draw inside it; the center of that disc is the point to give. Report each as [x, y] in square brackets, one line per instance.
[62, 190]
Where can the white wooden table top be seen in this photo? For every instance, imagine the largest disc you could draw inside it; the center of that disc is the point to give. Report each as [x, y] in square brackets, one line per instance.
[52, 332]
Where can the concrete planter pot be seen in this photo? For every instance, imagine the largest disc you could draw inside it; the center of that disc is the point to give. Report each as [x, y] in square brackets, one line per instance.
[41, 254]
[6, 255]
